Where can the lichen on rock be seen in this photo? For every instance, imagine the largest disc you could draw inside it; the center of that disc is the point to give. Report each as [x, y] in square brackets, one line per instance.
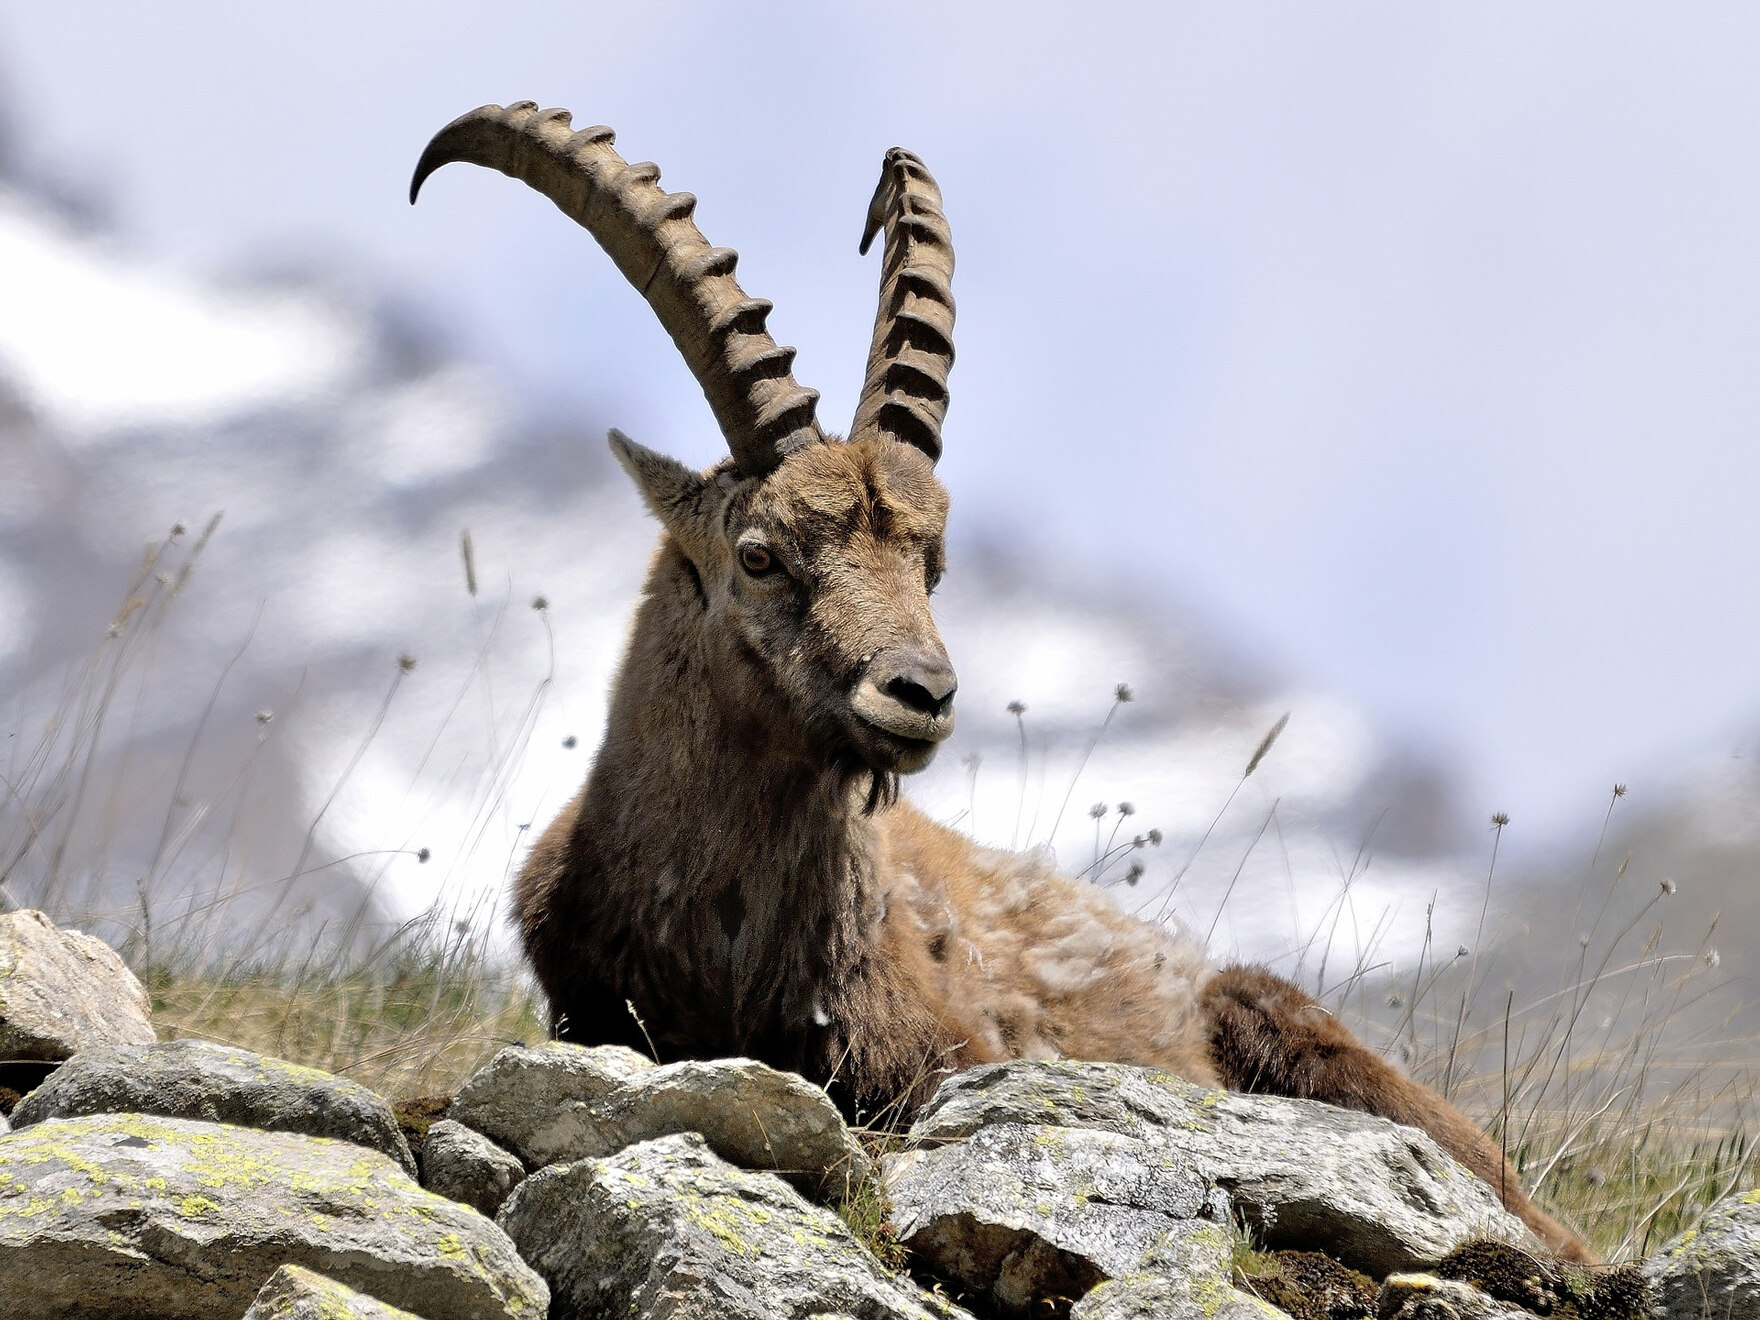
[137, 1217]
[668, 1228]
[217, 1084]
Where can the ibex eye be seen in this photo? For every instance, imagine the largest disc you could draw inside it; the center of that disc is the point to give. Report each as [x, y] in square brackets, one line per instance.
[756, 559]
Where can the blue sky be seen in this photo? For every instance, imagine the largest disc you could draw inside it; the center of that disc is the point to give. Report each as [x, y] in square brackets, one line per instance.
[1414, 347]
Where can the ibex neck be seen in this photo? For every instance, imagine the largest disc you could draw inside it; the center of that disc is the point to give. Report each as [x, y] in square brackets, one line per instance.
[748, 859]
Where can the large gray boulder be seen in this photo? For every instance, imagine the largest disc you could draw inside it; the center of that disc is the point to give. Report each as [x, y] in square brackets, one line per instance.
[61, 992]
[1024, 1212]
[540, 1102]
[216, 1084]
[563, 1102]
[293, 1293]
[1306, 1176]
[668, 1228]
[463, 1165]
[136, 1217]
[1713, 1270]
[1187, 1275]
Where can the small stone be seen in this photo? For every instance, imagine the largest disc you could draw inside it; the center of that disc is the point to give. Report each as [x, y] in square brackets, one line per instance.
[666, 1228]
[62, 992]
[137, 1217]
[465, 1166]
[295, 1293]
[1711, 1272]
[539, 1103]
[217, 1084]
[751, 1114]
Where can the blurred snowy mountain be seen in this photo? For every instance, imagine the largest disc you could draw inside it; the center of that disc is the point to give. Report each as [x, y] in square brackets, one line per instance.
[242, 742]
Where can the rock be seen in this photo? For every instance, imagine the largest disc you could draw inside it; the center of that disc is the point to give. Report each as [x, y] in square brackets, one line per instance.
[1023, 1212]
[1426, 1297]
[1712, 1270]
[464, 1165]
[61, 992]
[216, 1084]
[668, 1228]
[1185, 1276]
[135, 1217]
[1379, 1197]
[537, 1103]
[293, 1293]
[751, 1115]
[562, 1102]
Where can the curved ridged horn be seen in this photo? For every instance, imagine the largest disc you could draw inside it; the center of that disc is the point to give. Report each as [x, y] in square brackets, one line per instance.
[905, 393]
[649, 233]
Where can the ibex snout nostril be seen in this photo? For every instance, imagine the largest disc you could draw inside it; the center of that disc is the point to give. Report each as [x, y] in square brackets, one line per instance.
[930, 692]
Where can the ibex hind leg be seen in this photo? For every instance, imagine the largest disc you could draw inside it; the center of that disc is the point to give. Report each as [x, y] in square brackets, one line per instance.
[1268, 1035]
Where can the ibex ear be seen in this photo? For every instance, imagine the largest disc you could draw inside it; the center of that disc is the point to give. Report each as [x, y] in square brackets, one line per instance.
[680, 498]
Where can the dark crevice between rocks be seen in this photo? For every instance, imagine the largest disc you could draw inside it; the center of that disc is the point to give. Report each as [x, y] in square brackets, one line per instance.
[18, 1078]
[1028, 1276]
[416, 1115]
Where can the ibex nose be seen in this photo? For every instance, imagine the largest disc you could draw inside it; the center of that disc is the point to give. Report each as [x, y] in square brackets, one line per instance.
[927, 686]
[909, 693]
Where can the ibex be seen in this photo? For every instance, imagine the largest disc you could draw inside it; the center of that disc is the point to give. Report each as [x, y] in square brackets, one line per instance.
[738, 875]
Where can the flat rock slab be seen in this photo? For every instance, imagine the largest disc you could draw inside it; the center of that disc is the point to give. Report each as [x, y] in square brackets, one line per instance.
[563, 1102]
[463, 1165]
[137, 1217]
[666, 1228]
[1306, 1176]
[1712, 1270]
[293, 1293]
[217, 1084]
[61, 992]
[1026, 1212]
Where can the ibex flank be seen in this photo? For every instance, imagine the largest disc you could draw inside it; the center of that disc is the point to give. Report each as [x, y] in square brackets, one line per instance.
[739, 872]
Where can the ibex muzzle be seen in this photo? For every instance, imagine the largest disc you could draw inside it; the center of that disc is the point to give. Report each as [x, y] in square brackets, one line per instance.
[908, 693]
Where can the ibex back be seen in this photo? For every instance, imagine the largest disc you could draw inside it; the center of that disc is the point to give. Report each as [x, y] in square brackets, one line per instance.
[738, 872]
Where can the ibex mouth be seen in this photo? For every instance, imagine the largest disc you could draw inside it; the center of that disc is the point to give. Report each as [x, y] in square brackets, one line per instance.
[911, 733]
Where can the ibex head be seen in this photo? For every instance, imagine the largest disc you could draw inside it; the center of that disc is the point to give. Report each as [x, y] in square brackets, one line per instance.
[812, 557]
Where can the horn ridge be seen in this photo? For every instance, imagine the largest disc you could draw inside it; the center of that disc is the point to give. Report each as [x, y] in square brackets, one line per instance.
[652, 238]
[904, 393]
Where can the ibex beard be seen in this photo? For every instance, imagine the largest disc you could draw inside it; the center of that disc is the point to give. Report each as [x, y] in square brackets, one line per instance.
[738, 875]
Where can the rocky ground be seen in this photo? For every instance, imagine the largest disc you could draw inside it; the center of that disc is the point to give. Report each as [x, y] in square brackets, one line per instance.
[144, 1179]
